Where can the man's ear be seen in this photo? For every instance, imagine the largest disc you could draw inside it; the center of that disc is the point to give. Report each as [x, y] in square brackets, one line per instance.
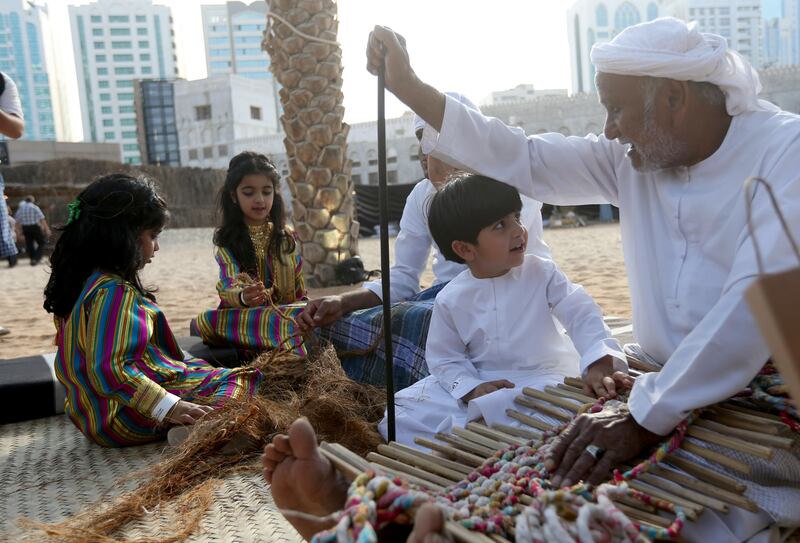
[677, 99]
[463, 249]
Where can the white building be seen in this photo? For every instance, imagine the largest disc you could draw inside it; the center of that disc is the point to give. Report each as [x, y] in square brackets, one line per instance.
[598, 21]
[213, 114]
[738, 21]
[23, 58]
[116, 42]
[520, 93]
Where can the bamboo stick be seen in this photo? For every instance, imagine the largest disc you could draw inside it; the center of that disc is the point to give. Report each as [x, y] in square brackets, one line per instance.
[755, 419]
[465, 445]
[561, 390]
[411, 470]
[731, 442]
[735, 422]
[643, 517]
[421, 463]
[395, 474]
[530, 421]
[714, 456]
[474, 437]
[692, 510]
[735, 406]
[639, 364]
[494, 434]
[444, 462]
[754, 437]
[630, 501]
[515, 431]
[706, 474]
[551, 398]
[542, 408]
[727, 496]
[350, 472]
[684, 492]
[345, 453]
[574, 382]
[469, 459]
[577, 393]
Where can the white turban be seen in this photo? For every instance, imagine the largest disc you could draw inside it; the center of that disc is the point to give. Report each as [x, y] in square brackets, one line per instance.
[419, 124]
[673, 49]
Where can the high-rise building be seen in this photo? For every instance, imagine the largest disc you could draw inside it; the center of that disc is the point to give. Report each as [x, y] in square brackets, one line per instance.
[233, 33]
[781, 32]
[155, 113]
[22, 57]
[116, 42]
[598, 21]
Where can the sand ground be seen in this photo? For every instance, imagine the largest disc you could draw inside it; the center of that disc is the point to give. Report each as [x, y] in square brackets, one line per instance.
[185, 273]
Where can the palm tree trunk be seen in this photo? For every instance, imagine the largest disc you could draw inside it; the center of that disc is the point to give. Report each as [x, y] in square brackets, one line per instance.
[310, 73]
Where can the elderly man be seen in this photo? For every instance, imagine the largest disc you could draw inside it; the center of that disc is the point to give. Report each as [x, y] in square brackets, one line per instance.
[684, 129]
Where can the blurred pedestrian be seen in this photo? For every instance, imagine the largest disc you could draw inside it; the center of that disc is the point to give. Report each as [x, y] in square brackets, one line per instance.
[34, 227]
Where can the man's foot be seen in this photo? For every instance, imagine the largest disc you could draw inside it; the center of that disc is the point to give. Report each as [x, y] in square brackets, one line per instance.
[4, 331]
[429, 526]
[302, 479]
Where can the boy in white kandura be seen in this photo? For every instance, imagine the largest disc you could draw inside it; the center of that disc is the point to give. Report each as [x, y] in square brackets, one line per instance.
[492, 330]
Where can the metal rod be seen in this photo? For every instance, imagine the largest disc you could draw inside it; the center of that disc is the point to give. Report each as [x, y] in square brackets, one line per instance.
[383, 200]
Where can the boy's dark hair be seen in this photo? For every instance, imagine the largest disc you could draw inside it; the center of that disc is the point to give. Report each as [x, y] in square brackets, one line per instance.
[467, 204]
[232, 232]
[113, 211]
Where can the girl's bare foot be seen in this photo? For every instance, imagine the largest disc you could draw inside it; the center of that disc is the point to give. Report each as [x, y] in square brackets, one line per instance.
[302, 479]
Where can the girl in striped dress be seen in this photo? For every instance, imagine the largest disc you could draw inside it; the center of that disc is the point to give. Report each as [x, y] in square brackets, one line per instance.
[126, 379]
[260, 268]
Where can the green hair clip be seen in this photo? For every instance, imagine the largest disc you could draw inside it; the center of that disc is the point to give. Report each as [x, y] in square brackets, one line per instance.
[74, 208]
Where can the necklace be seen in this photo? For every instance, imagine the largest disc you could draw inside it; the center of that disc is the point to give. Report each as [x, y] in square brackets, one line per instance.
[260, 236]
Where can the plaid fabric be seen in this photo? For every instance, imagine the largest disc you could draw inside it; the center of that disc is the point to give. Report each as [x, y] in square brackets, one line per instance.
[7, 245]
[362, 329]
[28, 214]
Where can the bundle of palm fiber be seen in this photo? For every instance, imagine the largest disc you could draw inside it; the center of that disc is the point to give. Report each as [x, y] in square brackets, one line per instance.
[315, 387]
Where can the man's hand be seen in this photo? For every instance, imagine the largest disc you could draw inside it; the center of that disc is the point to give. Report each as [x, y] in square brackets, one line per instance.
[320, 312]
[390, 47]
[602, 380]
[185, 412]
[614, 431]
[486, 388]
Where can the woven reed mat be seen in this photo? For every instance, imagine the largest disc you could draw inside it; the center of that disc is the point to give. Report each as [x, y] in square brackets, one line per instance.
[49, 471]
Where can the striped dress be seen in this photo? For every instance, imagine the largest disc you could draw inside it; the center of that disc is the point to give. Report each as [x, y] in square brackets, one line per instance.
[118, 358]
[257, 328]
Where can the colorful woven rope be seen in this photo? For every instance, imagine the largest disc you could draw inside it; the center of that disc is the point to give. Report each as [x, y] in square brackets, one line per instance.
[490, 500]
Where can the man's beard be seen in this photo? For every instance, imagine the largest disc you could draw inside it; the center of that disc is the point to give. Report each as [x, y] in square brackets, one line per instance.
[662, 150]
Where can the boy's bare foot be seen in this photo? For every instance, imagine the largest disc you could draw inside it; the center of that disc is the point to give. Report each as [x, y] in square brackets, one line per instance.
[302, 479]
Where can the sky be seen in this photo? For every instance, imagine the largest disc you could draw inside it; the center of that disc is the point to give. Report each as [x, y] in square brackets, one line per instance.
[474, 47]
